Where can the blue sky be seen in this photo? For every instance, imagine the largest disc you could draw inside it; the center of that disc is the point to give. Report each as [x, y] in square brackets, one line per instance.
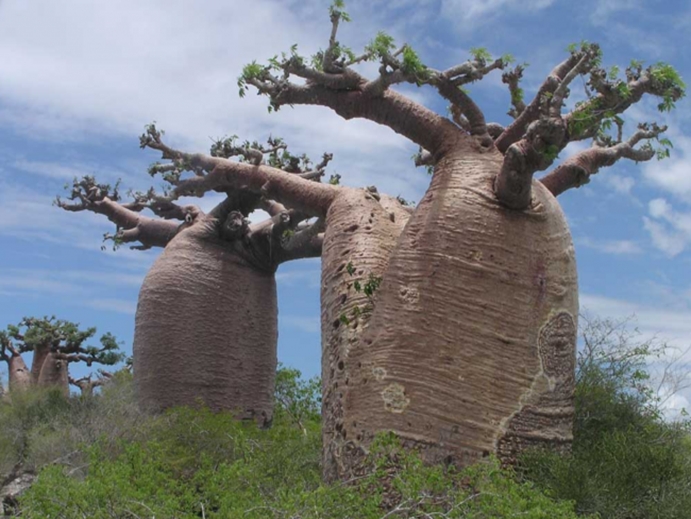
[79, 80]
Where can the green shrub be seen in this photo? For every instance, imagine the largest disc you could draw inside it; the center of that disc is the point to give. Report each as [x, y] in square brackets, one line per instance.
[191, 463]
[627, 462]
[40, 426]
[196, 460]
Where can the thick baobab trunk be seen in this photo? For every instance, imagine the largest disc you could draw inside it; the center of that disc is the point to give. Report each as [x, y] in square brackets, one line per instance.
[360, 235]
[54, 374]
[470, 350]
[19, 375]
[206, 328]
[41, 353]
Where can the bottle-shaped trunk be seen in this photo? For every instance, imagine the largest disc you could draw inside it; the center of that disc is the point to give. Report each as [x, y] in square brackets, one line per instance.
[54, 374]
[470, 349]
[361, 232]
[19, 375]
[41, 353]
[206, 330]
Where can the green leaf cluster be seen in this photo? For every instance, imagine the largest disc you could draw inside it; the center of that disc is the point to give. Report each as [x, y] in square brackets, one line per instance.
[670, 85]
[480, 54]
[381, 46]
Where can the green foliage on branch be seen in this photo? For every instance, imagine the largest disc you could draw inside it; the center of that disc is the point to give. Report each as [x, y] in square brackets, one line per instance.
[381, 46]
[62, 337]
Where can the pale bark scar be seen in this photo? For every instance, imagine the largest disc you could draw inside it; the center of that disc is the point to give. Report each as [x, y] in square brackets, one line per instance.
[409, 295]
[395, 399]
[379, 373]
[545, 410]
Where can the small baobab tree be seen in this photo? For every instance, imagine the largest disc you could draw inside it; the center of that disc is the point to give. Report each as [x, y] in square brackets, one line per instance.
[54, 345]
[206, 321]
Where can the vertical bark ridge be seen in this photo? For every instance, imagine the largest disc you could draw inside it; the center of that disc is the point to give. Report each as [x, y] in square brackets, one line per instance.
[361, 231]
[451, 353]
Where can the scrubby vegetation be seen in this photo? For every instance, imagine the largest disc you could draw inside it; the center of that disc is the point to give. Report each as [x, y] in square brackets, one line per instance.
[101, 457]
[627, 461]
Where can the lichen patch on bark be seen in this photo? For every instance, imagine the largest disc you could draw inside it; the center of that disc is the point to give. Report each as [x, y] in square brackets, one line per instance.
[395, 399]
[379, 373]
[409, 295]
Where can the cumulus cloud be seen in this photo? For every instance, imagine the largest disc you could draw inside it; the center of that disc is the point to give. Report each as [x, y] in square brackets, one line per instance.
[674, 174]
[669, 230]
[620, 183]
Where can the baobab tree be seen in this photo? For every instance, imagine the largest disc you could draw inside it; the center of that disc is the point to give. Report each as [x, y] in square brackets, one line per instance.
[206, 321]
[54, 345]
[459, 334]
[87, 384]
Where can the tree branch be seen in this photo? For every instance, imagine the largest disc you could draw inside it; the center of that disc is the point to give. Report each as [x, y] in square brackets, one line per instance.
[616, 96]
[401, 114]
[225, 175]
[577, 170]
[515, 131]
[512, 79]
[131, 225]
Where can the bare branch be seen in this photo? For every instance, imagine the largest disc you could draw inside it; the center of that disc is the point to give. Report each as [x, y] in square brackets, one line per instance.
[226, 175]
[404, 116]
[476, 119]
[131, 226]
[515, 131]
[577, 170]
[512, 79]
[494, 130]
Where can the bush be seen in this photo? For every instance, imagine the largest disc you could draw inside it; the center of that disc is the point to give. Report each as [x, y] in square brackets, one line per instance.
[191, 463]
[627, 461]
[199, 464]
[41, 426]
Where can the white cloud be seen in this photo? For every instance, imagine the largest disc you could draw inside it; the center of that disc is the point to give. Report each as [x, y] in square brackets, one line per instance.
[621, 184]
[72, 68]
[670, 230]
[484, 9]
[660, 208]
[673, 175]
[603, 10]
[672, 325]
[617, 247]
[121, 306]
[289, 277]
[670, 242]
[65, 281]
